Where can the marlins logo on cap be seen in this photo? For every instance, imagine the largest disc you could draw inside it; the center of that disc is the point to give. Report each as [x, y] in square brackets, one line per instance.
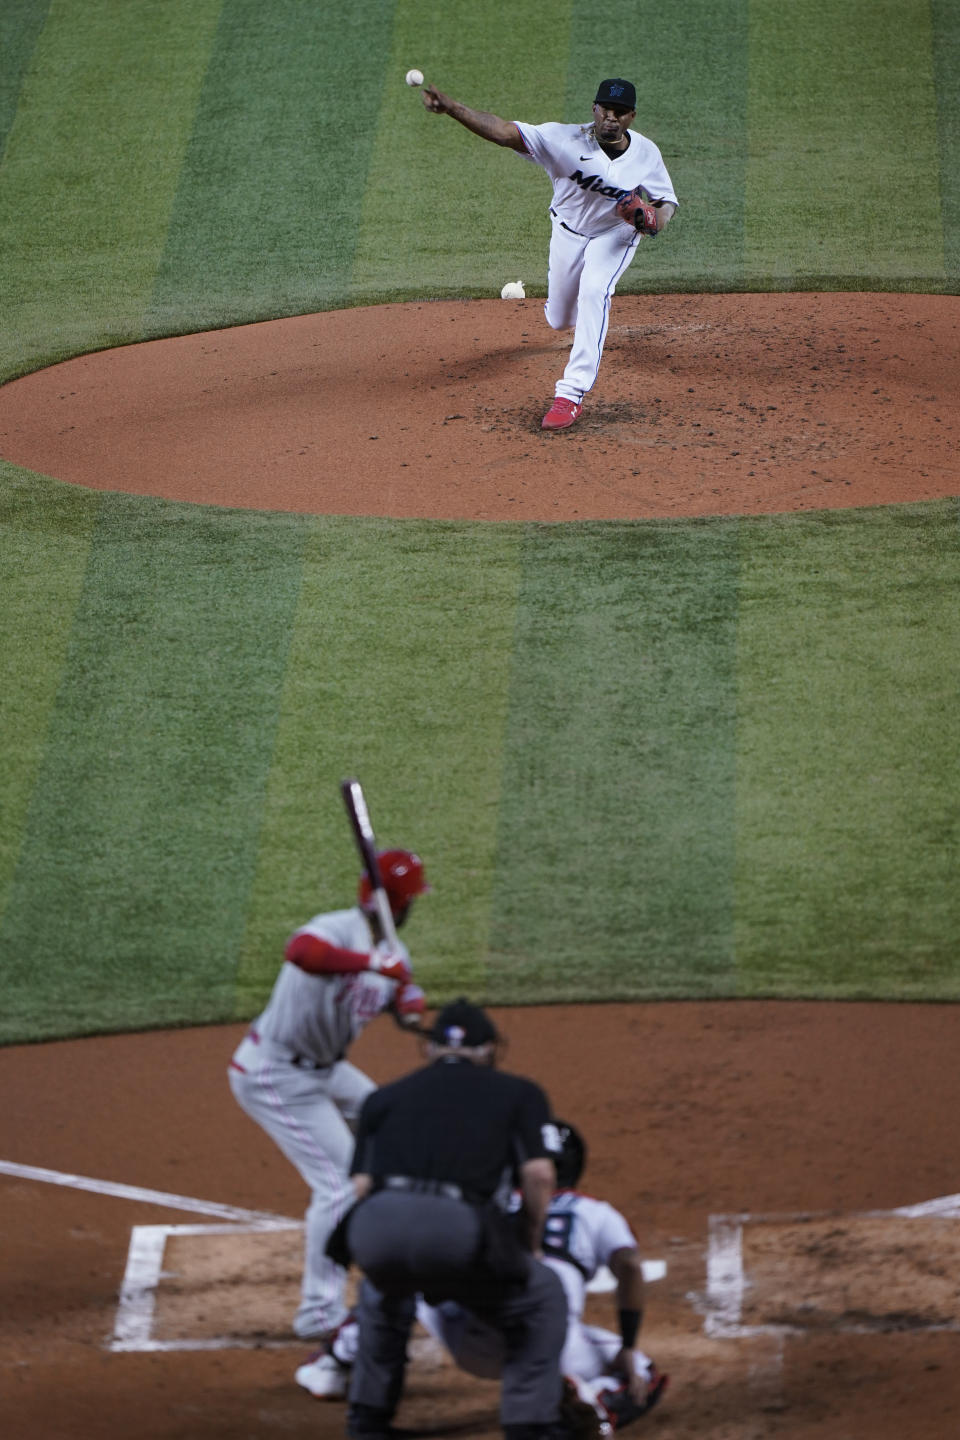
[617, 92]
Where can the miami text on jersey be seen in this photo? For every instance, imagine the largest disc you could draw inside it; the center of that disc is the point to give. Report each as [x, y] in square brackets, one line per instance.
[595, 182]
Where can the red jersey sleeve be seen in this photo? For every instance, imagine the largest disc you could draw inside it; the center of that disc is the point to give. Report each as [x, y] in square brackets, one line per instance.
[319, 957]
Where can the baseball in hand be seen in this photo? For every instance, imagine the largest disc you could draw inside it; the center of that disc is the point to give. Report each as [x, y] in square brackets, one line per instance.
[414, 77]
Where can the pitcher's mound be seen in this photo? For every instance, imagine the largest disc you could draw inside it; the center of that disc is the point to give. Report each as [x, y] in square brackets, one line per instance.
[705, 405]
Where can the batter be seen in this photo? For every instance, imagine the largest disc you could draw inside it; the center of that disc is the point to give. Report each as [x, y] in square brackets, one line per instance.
[592, 167]
[290, 1074]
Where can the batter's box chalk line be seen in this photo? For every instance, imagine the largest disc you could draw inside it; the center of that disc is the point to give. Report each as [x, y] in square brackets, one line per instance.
[144, 1274]
[729, 1283]
[136, 1307]
[133, 1325]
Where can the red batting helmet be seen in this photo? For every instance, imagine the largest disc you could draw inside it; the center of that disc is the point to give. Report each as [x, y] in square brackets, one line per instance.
[402, 874]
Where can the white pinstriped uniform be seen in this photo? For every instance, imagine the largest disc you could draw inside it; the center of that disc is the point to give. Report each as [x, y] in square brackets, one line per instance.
[288, 1074]
[590, 247]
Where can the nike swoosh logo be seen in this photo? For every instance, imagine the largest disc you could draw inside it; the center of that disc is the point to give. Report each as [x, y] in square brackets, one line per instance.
[586, 157]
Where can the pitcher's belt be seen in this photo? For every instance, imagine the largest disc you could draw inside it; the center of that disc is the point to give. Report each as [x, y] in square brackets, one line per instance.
[565, 226]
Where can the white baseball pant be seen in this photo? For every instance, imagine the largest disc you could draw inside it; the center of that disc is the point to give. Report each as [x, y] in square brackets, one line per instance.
[311, 1116]
[581, 281]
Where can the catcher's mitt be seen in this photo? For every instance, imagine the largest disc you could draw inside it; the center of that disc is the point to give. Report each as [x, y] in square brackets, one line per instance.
[578, 1420]
[635, 208]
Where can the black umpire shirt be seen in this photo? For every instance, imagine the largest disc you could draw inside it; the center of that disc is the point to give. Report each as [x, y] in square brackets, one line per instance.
[455, 1121]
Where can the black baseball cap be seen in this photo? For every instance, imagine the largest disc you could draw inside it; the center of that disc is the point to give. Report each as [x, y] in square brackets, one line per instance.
[616, 92]
[461, 1023]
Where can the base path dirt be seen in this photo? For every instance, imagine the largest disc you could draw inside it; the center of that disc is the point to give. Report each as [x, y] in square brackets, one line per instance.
[705, 405]
[792, 1165]
[759, 1150]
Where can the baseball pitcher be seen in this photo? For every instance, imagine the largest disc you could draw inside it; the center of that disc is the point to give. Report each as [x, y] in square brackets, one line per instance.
[610, 188]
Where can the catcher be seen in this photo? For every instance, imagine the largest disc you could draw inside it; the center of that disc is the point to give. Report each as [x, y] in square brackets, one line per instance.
[610, 188]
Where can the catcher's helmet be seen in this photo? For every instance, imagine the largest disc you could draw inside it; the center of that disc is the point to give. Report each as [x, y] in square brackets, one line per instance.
[573, 1155]
[402, 874]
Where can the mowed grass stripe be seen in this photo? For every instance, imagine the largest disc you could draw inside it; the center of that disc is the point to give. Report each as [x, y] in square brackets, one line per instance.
[615, 859]
[843, 134]
[847, 785]
[397, 674]
[447, 213]
[90, 170]
[945, 16]
[45, 531]
[564, 720]
[128, 903]
[21, 21]
[268, 207]
[689, 64]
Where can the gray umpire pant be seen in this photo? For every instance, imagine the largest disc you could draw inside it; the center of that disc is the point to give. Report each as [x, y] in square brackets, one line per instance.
[408, 1243]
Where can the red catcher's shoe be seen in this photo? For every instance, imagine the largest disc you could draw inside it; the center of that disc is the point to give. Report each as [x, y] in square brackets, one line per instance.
[562, 413]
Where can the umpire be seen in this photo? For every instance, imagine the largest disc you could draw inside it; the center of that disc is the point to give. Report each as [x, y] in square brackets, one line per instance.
[437, 1156]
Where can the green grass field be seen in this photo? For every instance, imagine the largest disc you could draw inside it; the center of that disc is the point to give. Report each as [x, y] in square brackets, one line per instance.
[647, 760]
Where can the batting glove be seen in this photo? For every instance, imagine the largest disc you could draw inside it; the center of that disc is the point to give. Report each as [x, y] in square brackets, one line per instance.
[393, 964]
[409, 1004]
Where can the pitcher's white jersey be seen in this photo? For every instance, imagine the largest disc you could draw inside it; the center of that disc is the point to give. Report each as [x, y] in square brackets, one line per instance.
[320, 1016]
[587, 182]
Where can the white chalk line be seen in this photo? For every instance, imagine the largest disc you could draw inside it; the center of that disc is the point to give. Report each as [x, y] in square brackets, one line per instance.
[262, 1218]
[133, 1326]
[136, 1307]
[726, 1281]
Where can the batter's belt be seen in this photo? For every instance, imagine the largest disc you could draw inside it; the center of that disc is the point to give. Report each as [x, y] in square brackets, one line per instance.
[302, 1062]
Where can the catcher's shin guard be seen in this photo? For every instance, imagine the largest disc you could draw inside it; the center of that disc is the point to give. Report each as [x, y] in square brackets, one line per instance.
[620, 1409]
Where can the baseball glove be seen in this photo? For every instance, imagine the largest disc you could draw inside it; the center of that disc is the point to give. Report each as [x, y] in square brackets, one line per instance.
[635, 208]
[578, 1420]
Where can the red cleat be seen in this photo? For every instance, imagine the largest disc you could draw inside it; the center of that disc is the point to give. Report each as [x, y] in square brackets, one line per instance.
[562, 413]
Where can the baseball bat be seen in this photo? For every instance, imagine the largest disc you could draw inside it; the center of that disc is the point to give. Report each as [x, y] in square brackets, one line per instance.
[353, 798]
